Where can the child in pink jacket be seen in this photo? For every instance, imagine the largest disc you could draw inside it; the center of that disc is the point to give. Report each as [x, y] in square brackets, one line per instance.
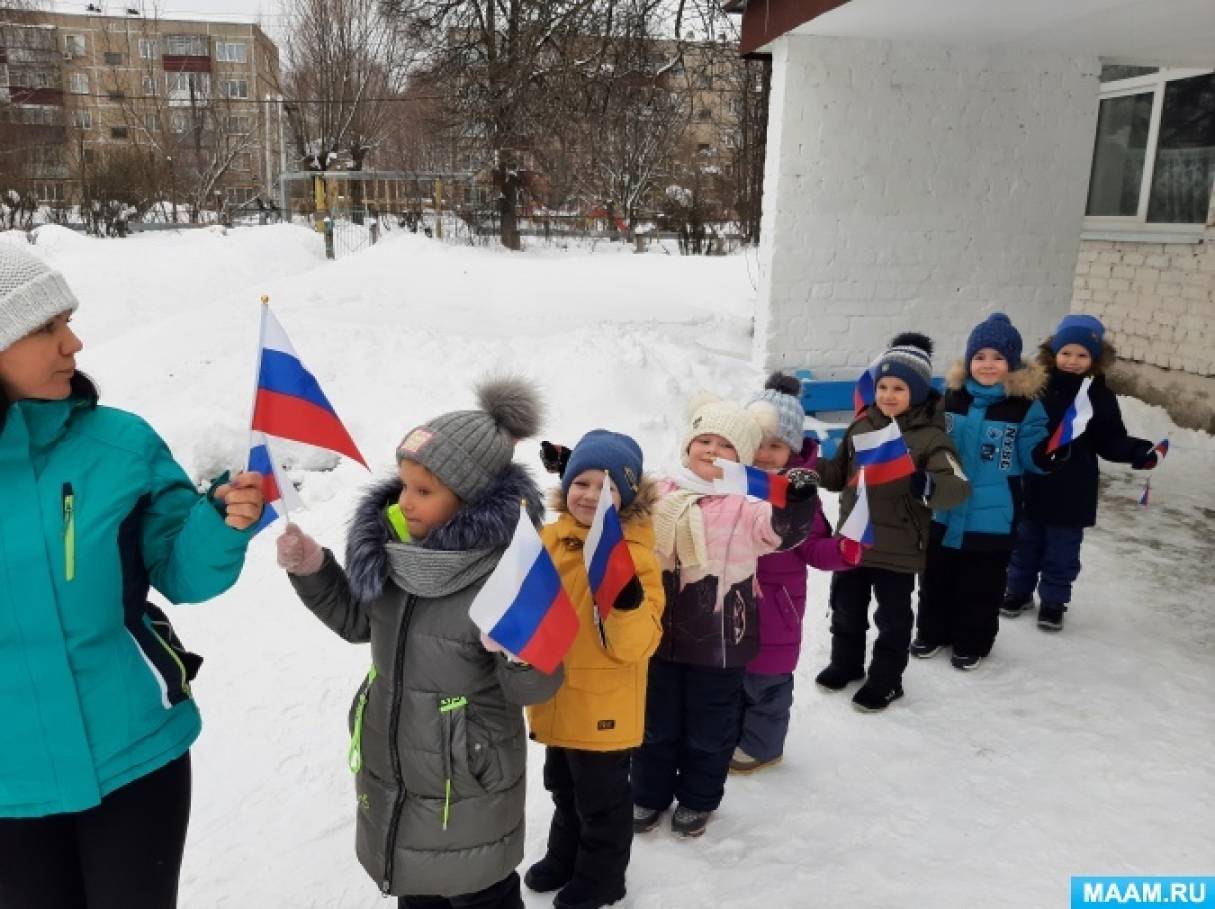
[768, 684]
[708, 545]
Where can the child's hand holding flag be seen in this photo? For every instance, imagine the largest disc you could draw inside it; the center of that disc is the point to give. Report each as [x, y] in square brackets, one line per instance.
[795, 485]
[609, 567]
[242, 499]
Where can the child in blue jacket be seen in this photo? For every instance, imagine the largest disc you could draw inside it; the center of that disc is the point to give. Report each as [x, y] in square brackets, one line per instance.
[1000, 430]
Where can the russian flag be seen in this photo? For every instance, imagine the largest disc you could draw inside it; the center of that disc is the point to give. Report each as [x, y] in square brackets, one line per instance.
[882, 455]
[858, 527]
[1162, 448]
[289, 402]
[1147, 493]
[865, 390]
[1074, 422]
[609, 567]
[277, 490]
[523, 606]
[739, 479]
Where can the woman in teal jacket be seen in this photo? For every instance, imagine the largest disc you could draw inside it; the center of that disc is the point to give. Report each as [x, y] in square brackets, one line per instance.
[96, 718]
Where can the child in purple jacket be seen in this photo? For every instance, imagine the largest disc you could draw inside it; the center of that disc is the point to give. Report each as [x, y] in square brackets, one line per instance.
[768, 683]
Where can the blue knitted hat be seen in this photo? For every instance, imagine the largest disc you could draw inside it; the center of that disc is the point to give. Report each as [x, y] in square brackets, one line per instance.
[998, 333]
[1087, 331]
[614, 452]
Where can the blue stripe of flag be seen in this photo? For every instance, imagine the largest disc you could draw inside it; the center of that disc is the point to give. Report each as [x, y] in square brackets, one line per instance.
[887, 451]
[269, 516]
[259, 460]
[284, 374]
[610, 537]
[531, 604]
[758, 484]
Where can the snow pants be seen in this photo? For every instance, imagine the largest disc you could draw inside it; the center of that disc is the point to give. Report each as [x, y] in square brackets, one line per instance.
[850, 594]
[1047, 556]
[691, 729]
[960, 596]
[767, 700]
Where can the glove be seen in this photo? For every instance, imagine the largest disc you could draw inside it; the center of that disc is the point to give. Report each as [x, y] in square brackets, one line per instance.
[299, 553]
[1055, 460]
[1147, 460]
[631, 597]
[554, 457]
[852, 551]
[922, 484]
[803, 484]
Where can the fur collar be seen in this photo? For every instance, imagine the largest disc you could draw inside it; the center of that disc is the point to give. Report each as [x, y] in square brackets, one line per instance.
[489, 524]
[1102, 365]
[1026, 381]
[641, 508]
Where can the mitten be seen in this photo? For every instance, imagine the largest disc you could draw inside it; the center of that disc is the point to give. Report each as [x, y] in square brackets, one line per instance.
[1053, 461]
[803, 484]
[554, 457]
[299, 553]
[852, 551]
[921, 484]
[1145, 460]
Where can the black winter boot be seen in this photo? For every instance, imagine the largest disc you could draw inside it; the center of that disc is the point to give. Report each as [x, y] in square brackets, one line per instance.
[876, 695]
[923, 650]
[836, 678]
[1016, 603]
[645, 819]
[584, 893]
[1050, 616]
[547, 875]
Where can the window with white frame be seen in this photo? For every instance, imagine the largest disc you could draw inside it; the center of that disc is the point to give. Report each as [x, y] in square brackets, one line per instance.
[1154, 155]
[179, 123]
[149, 48]
[149, 86]
[185, 88]
[234, 88]
[74, 45]
[151, 122]
[186, 45]
[231, 52]
[238, 125]
[79, 83]
[82, 119]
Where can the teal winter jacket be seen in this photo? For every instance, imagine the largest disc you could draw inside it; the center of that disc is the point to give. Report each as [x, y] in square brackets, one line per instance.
[998, 430]
[94, 510]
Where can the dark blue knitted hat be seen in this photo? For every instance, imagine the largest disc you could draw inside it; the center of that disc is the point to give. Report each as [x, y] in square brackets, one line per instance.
[998, 333]
[1087, 331]
[614, 452]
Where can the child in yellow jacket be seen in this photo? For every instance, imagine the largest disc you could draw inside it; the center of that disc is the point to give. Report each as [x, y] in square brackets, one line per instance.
[598, 715]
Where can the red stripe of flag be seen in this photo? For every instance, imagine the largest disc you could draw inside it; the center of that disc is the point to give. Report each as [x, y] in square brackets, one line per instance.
[877, 474]
[552, 638]
[294, 418]
[617, 574]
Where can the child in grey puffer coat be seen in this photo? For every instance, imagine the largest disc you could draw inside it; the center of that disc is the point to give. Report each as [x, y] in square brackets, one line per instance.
[438, 737]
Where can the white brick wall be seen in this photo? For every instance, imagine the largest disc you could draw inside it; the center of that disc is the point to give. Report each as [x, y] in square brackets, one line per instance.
[912, 186]
[1157, 301]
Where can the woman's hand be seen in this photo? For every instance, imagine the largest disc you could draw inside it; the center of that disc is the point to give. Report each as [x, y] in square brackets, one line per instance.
[242, 498]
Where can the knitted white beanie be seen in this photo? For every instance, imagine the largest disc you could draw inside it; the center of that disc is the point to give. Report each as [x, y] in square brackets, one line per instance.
[708, 413]
[31, 294]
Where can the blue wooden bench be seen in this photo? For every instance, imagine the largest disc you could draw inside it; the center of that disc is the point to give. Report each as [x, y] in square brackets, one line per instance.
[828, 406]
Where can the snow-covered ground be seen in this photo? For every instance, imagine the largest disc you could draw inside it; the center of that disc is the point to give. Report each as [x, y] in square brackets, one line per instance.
[1086, 752]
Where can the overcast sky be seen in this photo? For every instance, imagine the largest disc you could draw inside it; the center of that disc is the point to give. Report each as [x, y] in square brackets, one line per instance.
[268, 13]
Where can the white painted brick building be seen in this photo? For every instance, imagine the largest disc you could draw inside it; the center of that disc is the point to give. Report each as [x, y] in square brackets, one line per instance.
[929, 162]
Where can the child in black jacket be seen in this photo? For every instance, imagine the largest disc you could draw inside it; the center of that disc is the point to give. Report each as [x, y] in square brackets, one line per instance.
[1059, 505]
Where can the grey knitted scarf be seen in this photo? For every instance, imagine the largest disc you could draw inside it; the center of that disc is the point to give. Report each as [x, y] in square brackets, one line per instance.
[437, 572]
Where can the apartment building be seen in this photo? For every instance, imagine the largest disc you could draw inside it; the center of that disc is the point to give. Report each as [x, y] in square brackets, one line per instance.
[192, 97]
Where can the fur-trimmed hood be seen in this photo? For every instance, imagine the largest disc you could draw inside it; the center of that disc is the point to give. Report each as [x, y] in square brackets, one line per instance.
[1102, 365]
[641, 508]
[1026, 381]
[489, 524]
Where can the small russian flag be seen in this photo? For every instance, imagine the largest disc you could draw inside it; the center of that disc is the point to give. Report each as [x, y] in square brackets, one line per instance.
[277, 490]
[609, 567]
[1074, 422]
[1147, 493]
[1162, 449]
[739, 479]
[289, 403]
[866, 388]
[858, 527]
[523, 605]
[883, 455]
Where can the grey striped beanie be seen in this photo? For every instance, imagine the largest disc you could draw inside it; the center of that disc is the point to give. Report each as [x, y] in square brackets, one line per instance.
[909, 358]
[782, 395]
[469, 449]
[31, 294]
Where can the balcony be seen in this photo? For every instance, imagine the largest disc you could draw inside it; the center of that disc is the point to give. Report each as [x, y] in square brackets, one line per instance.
[186, 54]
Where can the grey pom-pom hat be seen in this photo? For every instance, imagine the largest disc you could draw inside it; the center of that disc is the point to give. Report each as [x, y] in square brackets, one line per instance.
[469, 449]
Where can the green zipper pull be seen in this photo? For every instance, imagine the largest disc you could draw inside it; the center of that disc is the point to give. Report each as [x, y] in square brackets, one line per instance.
[354, 757]
[446, 707]
[69, 532]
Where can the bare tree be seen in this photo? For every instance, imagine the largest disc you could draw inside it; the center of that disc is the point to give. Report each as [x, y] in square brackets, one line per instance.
[498, 56]
[345, 60]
